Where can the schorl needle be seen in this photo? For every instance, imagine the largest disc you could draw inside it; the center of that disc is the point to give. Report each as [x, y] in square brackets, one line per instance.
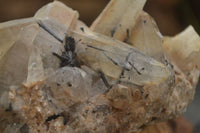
[49, 31]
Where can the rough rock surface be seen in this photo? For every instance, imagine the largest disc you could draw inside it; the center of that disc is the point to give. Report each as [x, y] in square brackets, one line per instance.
[147, 82]
[178, 125]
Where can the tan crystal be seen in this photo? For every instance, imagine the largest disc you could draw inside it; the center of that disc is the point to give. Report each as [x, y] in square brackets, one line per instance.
[184, 49]
[14, 63]
[146, 37]
[117, 18]
[144, 71]
[58, 12]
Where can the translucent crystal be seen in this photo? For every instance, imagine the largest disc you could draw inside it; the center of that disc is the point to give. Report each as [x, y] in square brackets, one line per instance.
[9, 33]
[184, 49]
[114, 58]
[118, 18]
[58, 12]
[35, 67]
[146, 37]
[58, 18]
[47, 44]
[15, 62]
[136, 27]
[66, 87]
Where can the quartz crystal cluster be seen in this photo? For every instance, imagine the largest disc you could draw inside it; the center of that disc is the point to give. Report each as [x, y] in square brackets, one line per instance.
[127, 76]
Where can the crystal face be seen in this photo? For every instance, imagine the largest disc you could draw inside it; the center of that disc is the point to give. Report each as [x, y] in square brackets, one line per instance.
[127, 75]
[117, 59]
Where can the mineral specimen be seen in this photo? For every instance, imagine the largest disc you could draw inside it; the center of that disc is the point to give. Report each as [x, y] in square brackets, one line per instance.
[125, 78]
